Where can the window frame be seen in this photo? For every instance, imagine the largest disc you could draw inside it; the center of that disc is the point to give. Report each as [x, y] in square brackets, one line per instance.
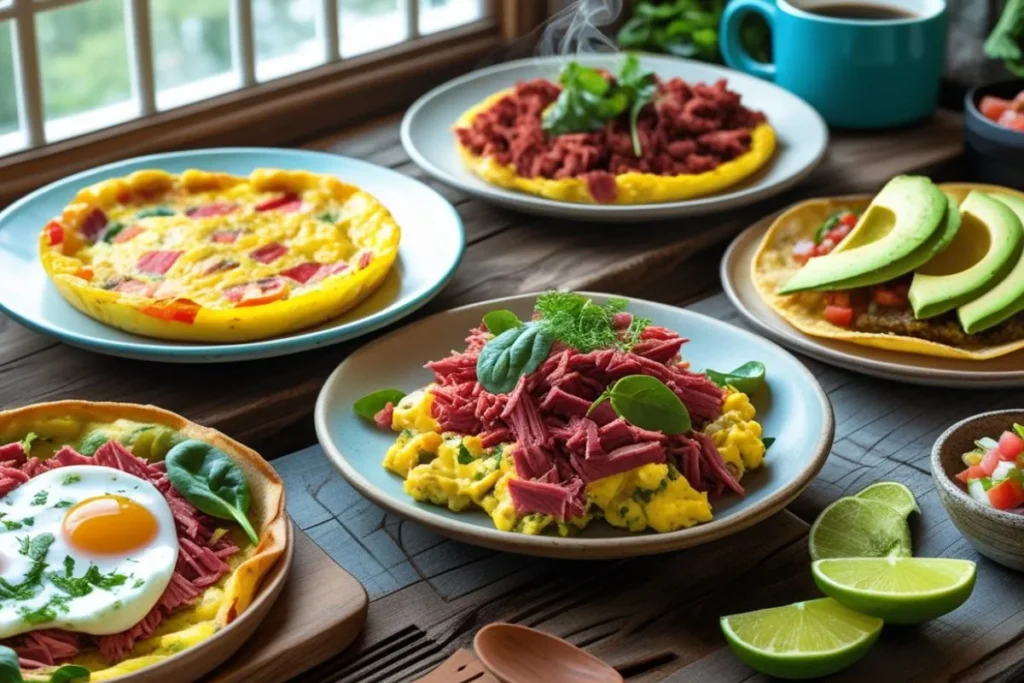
[324, 98]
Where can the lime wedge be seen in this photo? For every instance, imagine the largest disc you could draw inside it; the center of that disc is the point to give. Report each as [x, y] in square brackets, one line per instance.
[855, 527]
[802, 640]
[893, 494]
[899, 590]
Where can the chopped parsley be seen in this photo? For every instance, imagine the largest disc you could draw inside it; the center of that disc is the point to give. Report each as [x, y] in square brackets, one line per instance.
[40, 498]
[72, 479]
[328, 217]
[81, 586]
[10, 524]
[46, 613]
[465, 457]
[29, 521]
[139, 583]
[623, 511]
[642, 495]
[64, 503]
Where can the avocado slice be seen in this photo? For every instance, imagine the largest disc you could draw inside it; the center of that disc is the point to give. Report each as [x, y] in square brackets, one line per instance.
[899, 220]
[933, 246]
[984, 250]
[1006, 298]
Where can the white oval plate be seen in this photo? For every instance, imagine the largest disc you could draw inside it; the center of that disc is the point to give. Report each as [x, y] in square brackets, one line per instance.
[794, 410]
[1007, 371]
[801, 132]
[432, 244]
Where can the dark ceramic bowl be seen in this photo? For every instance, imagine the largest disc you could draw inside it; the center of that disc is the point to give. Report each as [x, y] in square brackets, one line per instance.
[996, 534]
[994, 154]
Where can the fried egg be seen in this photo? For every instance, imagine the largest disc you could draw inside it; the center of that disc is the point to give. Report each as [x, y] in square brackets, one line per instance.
[86, 548]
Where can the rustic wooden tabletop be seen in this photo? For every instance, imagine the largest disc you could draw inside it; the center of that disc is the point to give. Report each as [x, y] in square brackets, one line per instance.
[656, 616]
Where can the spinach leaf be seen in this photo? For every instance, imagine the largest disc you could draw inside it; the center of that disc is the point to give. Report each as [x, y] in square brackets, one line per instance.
[768, 441]
[10, 670]
[512, 354]
[501, 320]
[646, 402]
[640, 87]
[1006, 42]
[587, 100]
[747, 378]
[368, 406]
[70, 673]
[211, 481]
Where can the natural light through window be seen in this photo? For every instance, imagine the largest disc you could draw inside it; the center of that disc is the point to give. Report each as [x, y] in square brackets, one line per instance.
[70, 67]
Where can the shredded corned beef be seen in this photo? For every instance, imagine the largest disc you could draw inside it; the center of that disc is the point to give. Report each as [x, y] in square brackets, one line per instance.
[558, 447]
[200, 562]
[687, 129]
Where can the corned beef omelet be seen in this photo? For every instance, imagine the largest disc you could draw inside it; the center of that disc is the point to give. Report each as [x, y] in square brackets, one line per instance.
[219, 258]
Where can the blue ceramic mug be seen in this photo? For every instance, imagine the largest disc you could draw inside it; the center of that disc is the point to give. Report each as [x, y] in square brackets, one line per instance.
[857, 72]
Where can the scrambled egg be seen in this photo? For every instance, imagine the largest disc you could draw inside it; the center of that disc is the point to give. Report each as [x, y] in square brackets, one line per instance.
[457, 472]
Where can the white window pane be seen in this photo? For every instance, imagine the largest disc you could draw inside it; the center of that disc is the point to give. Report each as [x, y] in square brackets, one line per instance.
[286, 36]
[11, 138]
[438, 15]
[191, 50]
[84, 63]
[368, 25]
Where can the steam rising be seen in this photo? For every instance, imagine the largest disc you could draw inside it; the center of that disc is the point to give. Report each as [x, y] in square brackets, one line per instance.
[576, 29]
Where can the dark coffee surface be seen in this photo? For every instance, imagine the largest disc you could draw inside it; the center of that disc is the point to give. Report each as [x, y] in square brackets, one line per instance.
[858, 10]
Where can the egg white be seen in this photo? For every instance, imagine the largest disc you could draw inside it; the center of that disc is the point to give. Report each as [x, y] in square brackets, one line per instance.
[103, 611]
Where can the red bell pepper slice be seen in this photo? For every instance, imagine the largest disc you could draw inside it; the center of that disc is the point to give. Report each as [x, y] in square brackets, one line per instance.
[224, 236]
[215, 209]
[286, 203]
[176, 310]
[304, 272]
[128, 233]
[269, 253]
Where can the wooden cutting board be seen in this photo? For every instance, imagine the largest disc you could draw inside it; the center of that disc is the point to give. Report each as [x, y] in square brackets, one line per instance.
[319, 613]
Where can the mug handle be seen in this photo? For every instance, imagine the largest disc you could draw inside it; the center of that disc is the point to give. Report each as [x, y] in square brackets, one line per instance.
[733, 52]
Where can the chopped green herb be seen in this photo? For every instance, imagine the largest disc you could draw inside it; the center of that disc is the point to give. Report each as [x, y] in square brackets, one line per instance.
[72, 479]
[623, 511]
[155, 211]
[465, 457]
[40, 498]
[24, 545]
[64, 503]
[139, 583]
[69, 565]
[29, 439]
[768, 441]
[10, 524]
[81, 586]
[29, 521]
[46, 613]
[328, 217]
[112, 231]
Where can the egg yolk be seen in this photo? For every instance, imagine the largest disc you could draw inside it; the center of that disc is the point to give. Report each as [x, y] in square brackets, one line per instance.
[109, 525]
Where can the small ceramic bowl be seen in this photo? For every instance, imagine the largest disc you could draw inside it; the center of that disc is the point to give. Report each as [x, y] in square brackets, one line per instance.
[996, 534]
[993, 152]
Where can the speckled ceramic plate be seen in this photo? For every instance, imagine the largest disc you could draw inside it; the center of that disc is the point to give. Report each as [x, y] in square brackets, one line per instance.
[801, 133]
[794, 410]
[1007, 371]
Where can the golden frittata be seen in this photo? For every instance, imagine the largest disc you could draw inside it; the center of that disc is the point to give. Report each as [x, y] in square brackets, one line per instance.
[219, 258]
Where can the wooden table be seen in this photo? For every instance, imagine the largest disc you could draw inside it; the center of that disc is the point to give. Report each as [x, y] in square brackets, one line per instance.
[657, 615]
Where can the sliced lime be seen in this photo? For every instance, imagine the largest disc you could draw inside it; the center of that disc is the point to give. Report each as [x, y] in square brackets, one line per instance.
[802, 640]
[900, 590]
[893, 494]
[854, 527]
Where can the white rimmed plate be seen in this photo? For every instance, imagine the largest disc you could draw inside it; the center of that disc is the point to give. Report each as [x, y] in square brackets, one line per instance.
[801, 132]
[794, 410]
[432, 244]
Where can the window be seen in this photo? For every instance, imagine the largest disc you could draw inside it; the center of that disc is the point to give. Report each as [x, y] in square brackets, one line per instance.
[70, 67]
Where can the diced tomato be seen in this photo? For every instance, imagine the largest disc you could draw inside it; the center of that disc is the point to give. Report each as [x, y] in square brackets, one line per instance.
[84, 273]
[803, 250]
[365, 259]
[900, 288]
[989, 463]
[55, 231]
[838, 299]
[304, 272]
[224, 236]
[93, 224]
[215, 209]
[993, 107]
[1010, 446]
[1018, 102]
[825, 247]
[157, 262]
[1014, 122]
[839, 315]
[837, 234]
[848, 220]
[176, 310]
[269, 253]
[972, 472]
[888, 298]
[1006, 495]
[128, 233]
[258, 293]
[284, 202]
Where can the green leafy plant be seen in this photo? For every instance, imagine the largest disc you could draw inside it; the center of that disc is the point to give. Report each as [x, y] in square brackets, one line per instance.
[501, 320]
[579, 322]
[368, 406]
[1006, 42]
[747, 378]
[10, 670]
[1019, 428]
[640, 87]
[211, 481]
[512, 354]
[646, 402]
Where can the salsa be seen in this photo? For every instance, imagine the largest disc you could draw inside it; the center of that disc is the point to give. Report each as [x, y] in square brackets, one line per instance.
[1005, 113]
[994, 474]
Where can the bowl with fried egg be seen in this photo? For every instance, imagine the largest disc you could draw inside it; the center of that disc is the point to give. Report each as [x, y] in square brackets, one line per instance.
[134, 545]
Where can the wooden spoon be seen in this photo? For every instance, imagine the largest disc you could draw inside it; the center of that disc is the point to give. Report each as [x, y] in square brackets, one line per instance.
[519, 654]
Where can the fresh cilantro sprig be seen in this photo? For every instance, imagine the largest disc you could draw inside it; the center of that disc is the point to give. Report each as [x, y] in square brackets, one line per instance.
[1006, 42]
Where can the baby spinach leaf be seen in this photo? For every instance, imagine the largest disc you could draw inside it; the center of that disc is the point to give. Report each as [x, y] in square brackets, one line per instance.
[512, 354]
[501, 320]
[211, 481]
[747, 378]
[768, 441]
[70, 673]
[371, 404]
[586, 102]
[646, 402]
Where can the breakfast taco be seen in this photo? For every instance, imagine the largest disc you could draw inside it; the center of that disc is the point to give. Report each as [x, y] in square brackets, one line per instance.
[219, 258]
[630, 139]
[921, 268]
[127, 534]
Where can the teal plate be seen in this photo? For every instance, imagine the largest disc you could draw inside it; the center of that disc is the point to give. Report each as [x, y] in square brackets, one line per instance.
[432, 244]
[793, 409]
